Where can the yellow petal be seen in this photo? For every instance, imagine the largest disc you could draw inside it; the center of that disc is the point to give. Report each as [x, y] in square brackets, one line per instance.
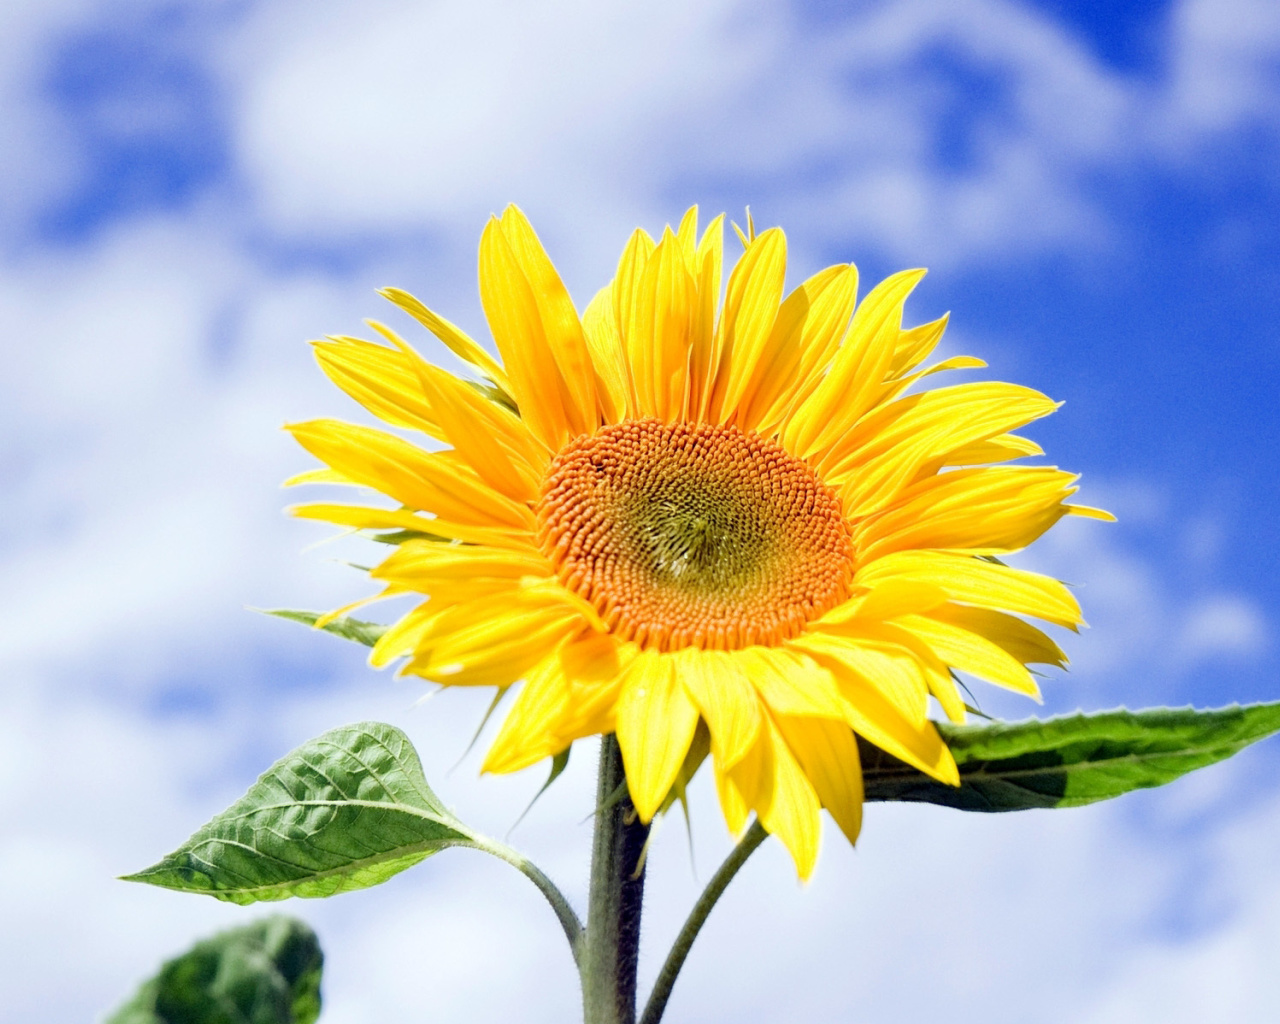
[455, 339]
[707, 261]
[1021, 639]
[687, 233]
[988, 511]
[626, 283]
[361, 517]
[887, 599]
[832, 322]
[828, 754]
[511, 307]
[892, 639]
[750, 309]
[790, 685]
[732, 804]
[874, 716]
[914, 345]
[856, 378]
[318, 476]
[662, 322]
[1087, 512]
[379, 378]
[594, 665]
[422, 564]
[403, 636]
[560, 325]
[896, 673]
[888, 449]
[725, 698]
[971, 653]
[496, 444]
[977, 582]
[429, 481]
[614, 386]
[528, 732]
[896, 386]
[699, 750]
[996, 449]
[655, 723]
[806, 334]
[787, 805]
[337, 613]
[494, 640]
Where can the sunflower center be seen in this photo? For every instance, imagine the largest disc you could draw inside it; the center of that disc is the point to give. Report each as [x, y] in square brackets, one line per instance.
[691, 534]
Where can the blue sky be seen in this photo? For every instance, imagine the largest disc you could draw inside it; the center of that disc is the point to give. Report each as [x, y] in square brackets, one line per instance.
[194, 189]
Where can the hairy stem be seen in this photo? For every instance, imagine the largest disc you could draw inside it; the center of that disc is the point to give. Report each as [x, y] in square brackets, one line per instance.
[697, 917]
[612, 945]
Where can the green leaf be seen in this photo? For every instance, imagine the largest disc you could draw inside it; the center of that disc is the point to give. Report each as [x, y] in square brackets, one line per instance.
[367, 633]
[344, 811]
[1072, 760]
[265, 973]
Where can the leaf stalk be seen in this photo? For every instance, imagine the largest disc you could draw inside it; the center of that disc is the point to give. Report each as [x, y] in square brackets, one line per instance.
[564, 911]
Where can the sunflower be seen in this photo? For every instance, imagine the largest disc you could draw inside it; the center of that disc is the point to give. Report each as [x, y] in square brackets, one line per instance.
[734, 528]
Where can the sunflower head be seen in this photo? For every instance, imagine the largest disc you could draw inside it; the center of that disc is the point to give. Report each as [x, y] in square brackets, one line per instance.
[733, 526]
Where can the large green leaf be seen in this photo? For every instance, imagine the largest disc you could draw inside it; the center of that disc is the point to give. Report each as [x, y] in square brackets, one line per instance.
[1072, 760]
[264, 973]
[344, 811]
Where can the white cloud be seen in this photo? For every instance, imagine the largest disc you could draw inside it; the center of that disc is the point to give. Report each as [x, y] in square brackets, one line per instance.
[353, 118]
[1227, 975]
[38, 157]
[392, 117]
[1223, 625]
[1225, 66]
[140, 469]
[393, 114]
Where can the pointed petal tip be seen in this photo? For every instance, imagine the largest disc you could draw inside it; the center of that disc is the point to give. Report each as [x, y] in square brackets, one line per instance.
[1088, 512]
[805, 866]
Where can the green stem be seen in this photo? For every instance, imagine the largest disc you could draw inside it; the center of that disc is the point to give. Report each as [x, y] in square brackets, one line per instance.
[612, 944]
[697, 917]
[564, 912]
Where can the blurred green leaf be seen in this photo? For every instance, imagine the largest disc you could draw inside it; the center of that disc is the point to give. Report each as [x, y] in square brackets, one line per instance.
[1072, 760]
[265, 973]
[344, 811]
[367, 633]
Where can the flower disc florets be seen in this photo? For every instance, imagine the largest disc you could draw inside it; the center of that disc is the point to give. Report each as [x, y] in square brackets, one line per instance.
[693, 534]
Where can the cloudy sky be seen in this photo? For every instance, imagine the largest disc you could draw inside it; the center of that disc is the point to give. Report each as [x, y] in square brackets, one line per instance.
[193, 189]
